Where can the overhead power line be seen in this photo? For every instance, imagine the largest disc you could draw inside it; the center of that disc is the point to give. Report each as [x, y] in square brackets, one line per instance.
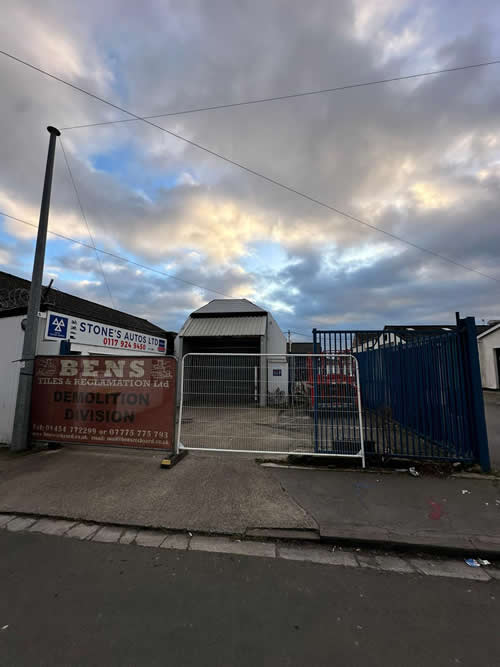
[291, 96]
[119, 257]
[130, 261]
[87, 224]
[253, 171]
[296, 333]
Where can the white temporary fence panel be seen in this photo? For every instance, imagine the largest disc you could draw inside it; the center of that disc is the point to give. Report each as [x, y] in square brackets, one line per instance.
[271, 404]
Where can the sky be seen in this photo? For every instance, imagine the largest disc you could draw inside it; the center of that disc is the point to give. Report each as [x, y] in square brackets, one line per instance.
[419, 159]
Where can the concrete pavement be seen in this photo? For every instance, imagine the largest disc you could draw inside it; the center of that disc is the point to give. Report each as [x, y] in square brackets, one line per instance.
[233, 495]
[222, 494]
[398, 509]
[86, 603]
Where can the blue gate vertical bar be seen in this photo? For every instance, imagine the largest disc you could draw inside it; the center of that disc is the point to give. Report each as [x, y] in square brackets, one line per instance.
[479, 432]
[315, 389]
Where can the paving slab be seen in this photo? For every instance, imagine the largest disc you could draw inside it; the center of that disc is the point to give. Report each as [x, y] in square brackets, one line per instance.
[5, 518]
[82, 531]
[149, 538]
[128, 536]
[227, 545]
[393, 564]
[176, 541]
[109, 534]
[20, 523]
[367, 561]
[493, 572]
[51, 526]
[324, 555]
[449, 568]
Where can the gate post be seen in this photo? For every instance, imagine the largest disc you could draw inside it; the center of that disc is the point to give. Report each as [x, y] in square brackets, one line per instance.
[480, 433]
[314, 389]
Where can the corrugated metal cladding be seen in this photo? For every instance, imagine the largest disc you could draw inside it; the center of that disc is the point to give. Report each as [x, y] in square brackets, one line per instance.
[253, 325]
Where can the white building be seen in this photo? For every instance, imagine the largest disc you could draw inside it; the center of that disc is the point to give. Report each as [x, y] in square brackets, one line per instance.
[67, 325]
[238, 326]
[489, 356]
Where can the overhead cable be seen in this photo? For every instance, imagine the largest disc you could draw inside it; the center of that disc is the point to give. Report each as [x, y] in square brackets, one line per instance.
[262, 100]
[253, 171]
[87, 224]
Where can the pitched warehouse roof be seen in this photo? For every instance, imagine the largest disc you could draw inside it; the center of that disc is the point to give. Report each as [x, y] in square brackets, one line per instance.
[228, 307]
[249, 325]
[485, 329]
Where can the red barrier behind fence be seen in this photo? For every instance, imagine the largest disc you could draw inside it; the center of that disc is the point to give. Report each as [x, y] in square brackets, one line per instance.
[111, 400]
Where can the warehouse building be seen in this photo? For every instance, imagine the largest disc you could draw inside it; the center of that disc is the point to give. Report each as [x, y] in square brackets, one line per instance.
[488, 342]
[239, 327]
[67, 325]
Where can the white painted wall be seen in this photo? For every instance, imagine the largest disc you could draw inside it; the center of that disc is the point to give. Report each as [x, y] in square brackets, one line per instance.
[276, 340]
[274, 382]
[11, 345]
[487, 359]
[276, 344]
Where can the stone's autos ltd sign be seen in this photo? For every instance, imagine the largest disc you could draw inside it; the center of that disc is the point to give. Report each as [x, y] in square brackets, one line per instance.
[128, 401]
[64, 327]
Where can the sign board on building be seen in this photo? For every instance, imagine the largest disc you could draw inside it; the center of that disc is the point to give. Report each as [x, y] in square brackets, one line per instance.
[109, 400]
[88, 332]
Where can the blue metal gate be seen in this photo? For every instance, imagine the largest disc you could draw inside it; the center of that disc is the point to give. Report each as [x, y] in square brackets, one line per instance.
[421, 394]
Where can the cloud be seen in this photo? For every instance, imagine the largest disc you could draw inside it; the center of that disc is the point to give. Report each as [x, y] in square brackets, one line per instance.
[419, 159]
[5, 256]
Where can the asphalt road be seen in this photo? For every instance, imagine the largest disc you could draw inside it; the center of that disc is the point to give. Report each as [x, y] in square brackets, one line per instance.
[492, 412]
[78, 603]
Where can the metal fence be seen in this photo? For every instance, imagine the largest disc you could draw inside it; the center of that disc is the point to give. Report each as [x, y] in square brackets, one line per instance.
[271, 404]
[421, 394]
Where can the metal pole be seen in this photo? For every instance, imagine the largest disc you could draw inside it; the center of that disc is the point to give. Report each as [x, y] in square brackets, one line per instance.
[480, 433]
[20, 433]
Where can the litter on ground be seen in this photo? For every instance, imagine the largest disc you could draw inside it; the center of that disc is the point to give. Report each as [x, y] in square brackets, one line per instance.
[477, 562]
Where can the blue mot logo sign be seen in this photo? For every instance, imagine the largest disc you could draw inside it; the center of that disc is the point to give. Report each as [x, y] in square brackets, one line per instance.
[57, 326]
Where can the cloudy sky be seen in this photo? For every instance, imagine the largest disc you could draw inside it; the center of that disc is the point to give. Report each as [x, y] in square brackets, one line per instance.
[418, 158]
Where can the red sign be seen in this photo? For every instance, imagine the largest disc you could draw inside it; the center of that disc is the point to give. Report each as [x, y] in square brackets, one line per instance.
[111, 400]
